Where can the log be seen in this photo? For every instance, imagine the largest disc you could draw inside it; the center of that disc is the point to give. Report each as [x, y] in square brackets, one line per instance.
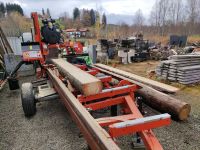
[149, 82]
[158, 100]
[4, 43]
[165, 103]
[82, 81]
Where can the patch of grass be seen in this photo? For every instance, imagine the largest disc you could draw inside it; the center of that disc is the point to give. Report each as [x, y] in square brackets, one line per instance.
[194, 38]
[165, 39]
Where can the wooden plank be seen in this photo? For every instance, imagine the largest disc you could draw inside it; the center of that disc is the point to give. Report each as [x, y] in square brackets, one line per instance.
[4, 42]
[81, 80]
[190, 67]
[184, 56]
[185, 60]
[152, 83]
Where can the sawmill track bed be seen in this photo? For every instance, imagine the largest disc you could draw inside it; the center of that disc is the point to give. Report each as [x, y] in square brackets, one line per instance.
[53, 128]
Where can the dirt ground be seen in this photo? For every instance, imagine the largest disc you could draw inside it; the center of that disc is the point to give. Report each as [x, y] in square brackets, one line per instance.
[187, 93]
[179, 135]
[52, 128]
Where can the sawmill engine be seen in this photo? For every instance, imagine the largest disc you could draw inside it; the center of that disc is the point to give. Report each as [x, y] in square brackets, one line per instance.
[50, 32]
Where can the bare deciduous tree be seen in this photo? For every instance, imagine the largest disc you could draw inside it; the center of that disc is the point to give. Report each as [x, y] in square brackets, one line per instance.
[139, 19]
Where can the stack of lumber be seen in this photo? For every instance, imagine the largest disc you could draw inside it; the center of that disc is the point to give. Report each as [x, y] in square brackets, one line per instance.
[5, 48]
[151, 92]
[84, 82]
[184, 69]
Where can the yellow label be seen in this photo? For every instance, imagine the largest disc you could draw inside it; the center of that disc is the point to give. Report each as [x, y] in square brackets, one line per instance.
[30, 47]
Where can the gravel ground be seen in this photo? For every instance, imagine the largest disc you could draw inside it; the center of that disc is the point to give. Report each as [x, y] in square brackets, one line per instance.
[183, 135]
[52, 127]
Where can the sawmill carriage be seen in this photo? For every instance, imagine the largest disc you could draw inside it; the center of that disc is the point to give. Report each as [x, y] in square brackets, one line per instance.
[85, 89]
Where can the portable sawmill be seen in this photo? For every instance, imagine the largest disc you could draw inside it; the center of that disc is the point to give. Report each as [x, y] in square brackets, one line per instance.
[85, 89]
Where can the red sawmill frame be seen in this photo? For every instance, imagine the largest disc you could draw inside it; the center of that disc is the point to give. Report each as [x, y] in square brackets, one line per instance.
[129, 121]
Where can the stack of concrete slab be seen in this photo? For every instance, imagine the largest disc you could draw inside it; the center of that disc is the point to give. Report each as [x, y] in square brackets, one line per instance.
[102, 50]
[126, 55]
[184, 69]
[131, 54]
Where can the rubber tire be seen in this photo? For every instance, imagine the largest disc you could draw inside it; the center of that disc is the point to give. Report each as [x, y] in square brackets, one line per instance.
[28, 99]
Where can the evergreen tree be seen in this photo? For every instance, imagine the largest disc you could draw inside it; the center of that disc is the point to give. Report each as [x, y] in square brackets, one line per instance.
[2, 10]
[104, 20]
[48, 12]
[76, 13]
[43, 13]
[14, 8]
[20, 10]
[93, 17]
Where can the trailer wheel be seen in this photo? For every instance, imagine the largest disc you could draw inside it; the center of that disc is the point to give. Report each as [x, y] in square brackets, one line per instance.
[28, 99]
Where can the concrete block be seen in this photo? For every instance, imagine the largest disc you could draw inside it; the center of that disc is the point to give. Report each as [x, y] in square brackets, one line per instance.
[92, 53]
[124, 60]
[122, 54]
[131, 53]
[102, 57]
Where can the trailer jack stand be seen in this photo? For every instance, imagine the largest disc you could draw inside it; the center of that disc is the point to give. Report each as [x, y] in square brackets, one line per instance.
[137, 143]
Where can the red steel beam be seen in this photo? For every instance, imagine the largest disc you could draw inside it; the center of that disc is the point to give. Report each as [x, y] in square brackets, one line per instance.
[95, 135]
[148, 137]
[105, 79]
[106, 121]
[108, 94]
[105, 103]
[92, 72]
[125, 130]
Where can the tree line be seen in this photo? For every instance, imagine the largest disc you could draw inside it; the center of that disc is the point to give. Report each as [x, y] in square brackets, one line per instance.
[83, 18]
[176, 16]
[171, 16]
[47, 13]
[88, 17]
[166, 17]
[8, 8]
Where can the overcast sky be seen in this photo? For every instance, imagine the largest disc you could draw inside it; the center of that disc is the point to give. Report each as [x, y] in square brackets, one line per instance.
[122, 8]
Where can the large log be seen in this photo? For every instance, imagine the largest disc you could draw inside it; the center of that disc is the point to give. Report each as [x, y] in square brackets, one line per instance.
[152, 83]
[158, 100]
[84, 82]
[165, 103]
